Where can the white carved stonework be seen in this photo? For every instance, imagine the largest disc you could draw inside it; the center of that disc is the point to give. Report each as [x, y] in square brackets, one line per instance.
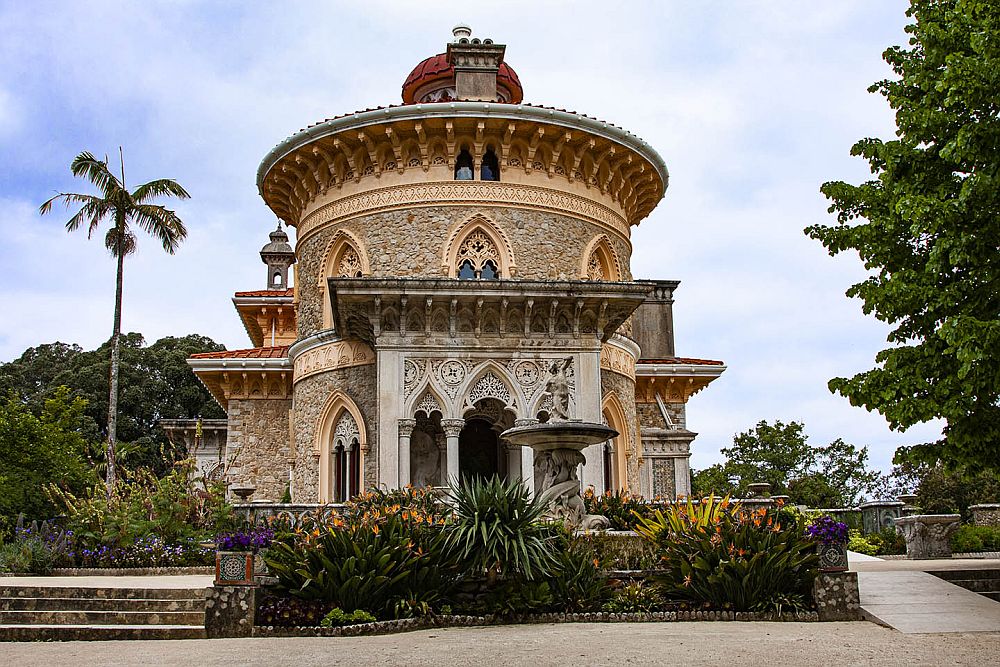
[489, 386]
[428, 404]
[595, 270]
[617, 360]
[525, 372]
[333, 355]
[346, 431]
[478, 248]
[413, 371]
[464, 192]
[350, 264]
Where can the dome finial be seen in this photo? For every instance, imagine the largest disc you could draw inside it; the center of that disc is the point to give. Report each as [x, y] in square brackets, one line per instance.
[461, 30]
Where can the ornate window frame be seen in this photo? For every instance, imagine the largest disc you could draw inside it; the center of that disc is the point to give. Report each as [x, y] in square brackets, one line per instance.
[336, 406]
[340, 243]
[465, 229]
[614, 414]
[600, 255]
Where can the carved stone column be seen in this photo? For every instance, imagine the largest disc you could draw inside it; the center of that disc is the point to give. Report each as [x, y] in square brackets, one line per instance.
[452, 428]
[406, 427]
[442, 447]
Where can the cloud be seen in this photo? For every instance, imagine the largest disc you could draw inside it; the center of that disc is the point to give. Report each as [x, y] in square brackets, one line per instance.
[753, 106]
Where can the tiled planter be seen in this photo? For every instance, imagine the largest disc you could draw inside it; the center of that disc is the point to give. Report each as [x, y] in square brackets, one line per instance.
[234, 568]
[832, 557]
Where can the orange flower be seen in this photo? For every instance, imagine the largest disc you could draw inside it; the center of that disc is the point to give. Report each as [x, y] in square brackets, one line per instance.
[687, 580]
[375, 529]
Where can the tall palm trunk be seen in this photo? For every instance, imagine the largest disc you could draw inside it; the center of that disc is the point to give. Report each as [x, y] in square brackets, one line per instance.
[111, 477]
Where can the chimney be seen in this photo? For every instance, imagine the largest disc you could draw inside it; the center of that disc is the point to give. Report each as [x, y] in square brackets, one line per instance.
[476, 64]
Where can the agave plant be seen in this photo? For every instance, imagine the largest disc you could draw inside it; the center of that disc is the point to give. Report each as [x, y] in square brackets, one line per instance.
[498, 530]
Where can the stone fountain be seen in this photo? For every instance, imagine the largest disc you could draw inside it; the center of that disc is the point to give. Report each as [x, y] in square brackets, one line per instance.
[558, 445]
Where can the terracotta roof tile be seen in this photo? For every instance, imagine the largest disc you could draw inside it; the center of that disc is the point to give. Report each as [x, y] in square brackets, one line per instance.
[438, 67]
[683, 360]
[279, 352]
[268, 292]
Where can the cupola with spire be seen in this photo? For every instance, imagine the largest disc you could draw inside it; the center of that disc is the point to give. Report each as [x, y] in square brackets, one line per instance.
[278, 255]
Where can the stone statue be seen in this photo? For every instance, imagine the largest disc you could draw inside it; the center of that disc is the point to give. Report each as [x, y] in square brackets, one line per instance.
[426, 459]
[557, 387]
[561, 488]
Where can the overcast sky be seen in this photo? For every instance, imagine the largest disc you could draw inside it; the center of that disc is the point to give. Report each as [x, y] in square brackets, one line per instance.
[752, 104]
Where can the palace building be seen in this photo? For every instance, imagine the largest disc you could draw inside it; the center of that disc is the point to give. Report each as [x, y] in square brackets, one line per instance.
[448, 251]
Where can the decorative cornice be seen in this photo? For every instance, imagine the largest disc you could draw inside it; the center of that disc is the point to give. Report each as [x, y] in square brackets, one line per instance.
[326, 352]
[619, 355]
[466, 193]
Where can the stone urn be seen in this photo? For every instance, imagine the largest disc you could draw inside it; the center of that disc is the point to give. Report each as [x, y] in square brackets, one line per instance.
[928, 535]
[832, 557]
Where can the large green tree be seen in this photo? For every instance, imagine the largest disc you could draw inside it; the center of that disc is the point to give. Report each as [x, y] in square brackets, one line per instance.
[928, 229]
[36, 450]
[157, 384]
[834, 475]
[122, 208]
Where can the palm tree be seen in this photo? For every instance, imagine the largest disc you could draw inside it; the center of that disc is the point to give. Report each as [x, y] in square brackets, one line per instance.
[121, 207]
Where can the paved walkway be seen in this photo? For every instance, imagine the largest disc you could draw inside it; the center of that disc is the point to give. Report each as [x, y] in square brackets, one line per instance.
[743, 644]
[184, 581]
[900, 594]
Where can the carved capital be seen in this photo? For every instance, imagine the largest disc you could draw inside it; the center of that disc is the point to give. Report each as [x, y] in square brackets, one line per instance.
[406, 427]
[452, 427]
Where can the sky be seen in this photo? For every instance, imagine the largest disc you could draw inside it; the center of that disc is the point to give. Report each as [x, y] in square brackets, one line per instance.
[752, 104]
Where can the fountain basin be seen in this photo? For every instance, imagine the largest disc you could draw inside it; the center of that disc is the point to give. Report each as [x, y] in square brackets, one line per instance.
[575, 435]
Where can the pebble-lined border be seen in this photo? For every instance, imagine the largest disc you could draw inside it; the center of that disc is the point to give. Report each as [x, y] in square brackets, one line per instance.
[411, 624]
[978, 555]
[128, 571]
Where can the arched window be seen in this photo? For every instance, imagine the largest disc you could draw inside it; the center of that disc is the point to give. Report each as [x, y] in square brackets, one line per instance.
[277, 278]
[601, 261]
[349, 264]
[477, 258]
[490, 168]
[463, 166]
[345, 459]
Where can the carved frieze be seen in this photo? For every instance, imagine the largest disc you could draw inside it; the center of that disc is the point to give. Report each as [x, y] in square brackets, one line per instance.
[463, 192]
[618, 360]
[336, 354]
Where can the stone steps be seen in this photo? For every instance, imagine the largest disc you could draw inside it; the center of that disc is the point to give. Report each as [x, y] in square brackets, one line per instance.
[101, 604]
[66, 613]
[984, 582]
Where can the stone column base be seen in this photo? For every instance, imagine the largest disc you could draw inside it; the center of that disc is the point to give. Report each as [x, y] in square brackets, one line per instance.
[230, 611]
[837, 597]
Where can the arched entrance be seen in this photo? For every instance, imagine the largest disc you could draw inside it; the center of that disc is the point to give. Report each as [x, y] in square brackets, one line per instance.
[478, 450]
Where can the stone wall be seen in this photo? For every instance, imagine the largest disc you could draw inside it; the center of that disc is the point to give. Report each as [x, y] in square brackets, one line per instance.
[311, 396]
[412, 243]
[651, 417]
[986, 514]
[257, 445]
[624, 388]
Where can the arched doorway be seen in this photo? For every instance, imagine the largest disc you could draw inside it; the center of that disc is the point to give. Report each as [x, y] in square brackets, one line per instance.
[478, 450]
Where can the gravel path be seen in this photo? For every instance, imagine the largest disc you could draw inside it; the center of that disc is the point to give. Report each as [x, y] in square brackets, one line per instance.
[721, 643]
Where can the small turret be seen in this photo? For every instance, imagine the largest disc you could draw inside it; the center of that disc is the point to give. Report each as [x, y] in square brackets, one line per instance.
[278, 255]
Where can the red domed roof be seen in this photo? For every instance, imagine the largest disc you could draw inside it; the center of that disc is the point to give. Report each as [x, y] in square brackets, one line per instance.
[437, 68]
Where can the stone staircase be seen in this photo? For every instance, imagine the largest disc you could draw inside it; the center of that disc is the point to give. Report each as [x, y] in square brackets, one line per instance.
[37, 613]
[984, 582]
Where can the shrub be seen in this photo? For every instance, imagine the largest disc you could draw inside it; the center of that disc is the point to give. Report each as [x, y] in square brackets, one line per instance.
[289, 612]
[861, 544]
[636, 597]
[498, 530]
[616, 552]
[730, 558]
[620, 507]
[370, 564]
[36, 548]
[577, 582]
[971, 539]
[336, 618]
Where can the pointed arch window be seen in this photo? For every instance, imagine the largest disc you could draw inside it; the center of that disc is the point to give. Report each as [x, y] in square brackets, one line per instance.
[464, 166]
[489, 170]
[349, 263]
[345, 457]
[478, 258]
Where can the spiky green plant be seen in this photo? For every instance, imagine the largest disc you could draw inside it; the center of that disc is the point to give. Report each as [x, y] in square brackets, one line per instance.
[498, 530]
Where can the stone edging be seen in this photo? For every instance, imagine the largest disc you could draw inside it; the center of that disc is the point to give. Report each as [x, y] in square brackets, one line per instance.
[128, 571]
[411, 624]
[970, 555]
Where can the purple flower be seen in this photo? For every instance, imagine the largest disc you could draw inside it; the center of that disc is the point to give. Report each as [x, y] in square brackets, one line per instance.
[252, 540]
[828, 531]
